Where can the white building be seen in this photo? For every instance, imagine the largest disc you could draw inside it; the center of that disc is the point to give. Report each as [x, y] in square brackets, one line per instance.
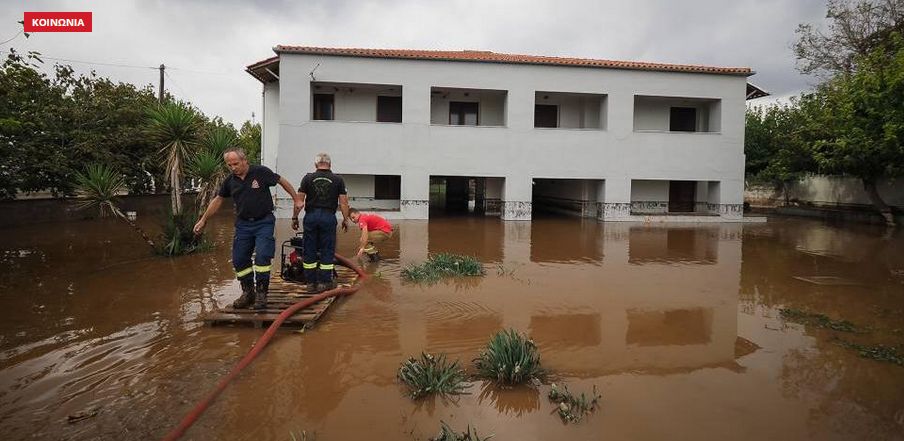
[425, 132]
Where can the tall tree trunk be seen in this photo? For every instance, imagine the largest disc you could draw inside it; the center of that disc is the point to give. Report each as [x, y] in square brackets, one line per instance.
[870, 186]
[176, 186]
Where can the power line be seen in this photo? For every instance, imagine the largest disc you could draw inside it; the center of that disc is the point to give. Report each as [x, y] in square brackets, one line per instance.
[133, 66]
[13, 37]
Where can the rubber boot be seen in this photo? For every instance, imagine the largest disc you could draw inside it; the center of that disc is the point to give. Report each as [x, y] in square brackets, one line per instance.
[260, 301]
[248, 295]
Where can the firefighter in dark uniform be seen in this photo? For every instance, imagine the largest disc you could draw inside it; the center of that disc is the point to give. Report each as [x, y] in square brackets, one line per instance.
[249, 186]
[321, 193]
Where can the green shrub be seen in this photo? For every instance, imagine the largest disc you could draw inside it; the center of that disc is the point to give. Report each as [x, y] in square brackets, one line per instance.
[509, 359]
[178, 237]
[447, 434]
[572, 408]
[443, 265]
[432, 375]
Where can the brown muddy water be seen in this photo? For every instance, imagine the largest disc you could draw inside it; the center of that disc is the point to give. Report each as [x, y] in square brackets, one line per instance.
[678, 327]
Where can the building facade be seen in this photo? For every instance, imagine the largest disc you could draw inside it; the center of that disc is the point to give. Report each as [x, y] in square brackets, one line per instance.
[421, 133]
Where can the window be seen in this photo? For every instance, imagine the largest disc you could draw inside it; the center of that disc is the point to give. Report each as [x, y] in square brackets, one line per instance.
[389, 109]
[387, 187]
[546, 115]
[462, 114]
[683, 119]
[323, 107]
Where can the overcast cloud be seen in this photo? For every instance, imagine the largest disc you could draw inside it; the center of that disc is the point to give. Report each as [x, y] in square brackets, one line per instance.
[207, 44]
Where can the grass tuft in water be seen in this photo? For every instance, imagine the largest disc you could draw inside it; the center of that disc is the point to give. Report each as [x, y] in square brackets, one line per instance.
[432, 375]
[572, 408]
[510, 358]
[888, 354]
[447, 434]
[443, 265]
[818, 320]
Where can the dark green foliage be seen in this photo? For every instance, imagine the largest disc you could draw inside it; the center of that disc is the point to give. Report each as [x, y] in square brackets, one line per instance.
[572, 408]
[447, 434]
[818, 320]
[510, 359]
[100, 186]
[879, 352]
[178, 237]
[432, 375]
[443, 265]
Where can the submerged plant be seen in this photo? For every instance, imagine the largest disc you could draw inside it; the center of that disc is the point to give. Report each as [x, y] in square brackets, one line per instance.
[432, 375]
[447, 434]
[572, 408]
[443, 265]
[178, 235]
[878, 352]
[510, 358]
[818, 320]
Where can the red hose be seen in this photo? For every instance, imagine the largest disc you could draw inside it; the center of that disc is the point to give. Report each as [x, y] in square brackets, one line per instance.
[195, 413]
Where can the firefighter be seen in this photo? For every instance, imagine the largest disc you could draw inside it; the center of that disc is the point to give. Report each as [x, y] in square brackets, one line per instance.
[249, 187]
[321, 193]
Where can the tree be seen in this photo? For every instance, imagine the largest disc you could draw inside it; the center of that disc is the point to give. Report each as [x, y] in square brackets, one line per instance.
[208, 166]
[855, 29]
[176, 128]
[99, 186]
[250, 141]
[862, 115]
[775, 145]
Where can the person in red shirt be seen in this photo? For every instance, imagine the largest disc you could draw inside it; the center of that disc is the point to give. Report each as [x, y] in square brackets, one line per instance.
[374, 229]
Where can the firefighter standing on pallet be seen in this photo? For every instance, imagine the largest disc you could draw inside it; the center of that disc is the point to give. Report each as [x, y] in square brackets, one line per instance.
[249, 186]
[321, 192]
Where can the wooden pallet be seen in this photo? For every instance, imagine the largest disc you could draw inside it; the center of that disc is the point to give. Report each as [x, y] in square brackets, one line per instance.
[282, 294]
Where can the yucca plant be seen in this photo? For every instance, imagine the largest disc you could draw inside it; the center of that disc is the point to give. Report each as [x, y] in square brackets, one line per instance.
[509, 359]
[178, 236]
[177, 128]
[209, 168]
[99, 186]
[442, 265]
[432, 375]
[572, 408]
[447, 434]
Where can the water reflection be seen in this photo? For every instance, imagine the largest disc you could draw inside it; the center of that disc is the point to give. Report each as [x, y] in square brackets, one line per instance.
[673, 245]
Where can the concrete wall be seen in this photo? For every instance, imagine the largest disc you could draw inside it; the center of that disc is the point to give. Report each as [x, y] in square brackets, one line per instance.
[518, 152]
[828, 191]
[270, 125]
[643, 190]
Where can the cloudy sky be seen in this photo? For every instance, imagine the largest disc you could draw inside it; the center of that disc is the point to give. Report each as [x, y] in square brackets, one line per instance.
[207, 44]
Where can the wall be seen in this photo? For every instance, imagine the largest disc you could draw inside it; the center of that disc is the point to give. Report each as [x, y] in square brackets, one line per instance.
[518, 152]
[642, 190]
[32, 211]
[361, 194]
[270, 124]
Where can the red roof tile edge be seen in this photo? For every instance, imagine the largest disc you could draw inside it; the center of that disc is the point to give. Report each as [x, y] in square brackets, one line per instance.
[493, 57]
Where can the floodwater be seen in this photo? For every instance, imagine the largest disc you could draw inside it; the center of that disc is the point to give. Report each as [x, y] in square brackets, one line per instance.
[678, 328]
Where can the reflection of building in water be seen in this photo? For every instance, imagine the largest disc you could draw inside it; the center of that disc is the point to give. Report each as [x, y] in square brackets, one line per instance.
[588, 315]
[467, 236]
[583, 241]
[672, 245]
[662, 318]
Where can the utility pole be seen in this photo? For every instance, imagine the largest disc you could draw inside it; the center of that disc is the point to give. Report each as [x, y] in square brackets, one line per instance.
[160, 92]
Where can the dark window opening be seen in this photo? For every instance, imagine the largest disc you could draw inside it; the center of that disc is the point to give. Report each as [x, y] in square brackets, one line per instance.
[682, 195]
[387, 187]
[323, 107]
[389, 109]
[683, 119]
[546, 115]
[462, 114]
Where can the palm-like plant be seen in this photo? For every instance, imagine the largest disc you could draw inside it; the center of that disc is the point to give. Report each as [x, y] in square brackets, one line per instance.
[208, 166]
[177, 128]
[99, 186]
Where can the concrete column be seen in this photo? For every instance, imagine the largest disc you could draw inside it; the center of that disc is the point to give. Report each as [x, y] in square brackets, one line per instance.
[516, 198]
[415, 200]
[519, 109]
[616, 199]
[731, 199]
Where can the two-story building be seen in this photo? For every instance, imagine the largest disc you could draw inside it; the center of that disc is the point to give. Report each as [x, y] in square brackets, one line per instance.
[429, 132]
